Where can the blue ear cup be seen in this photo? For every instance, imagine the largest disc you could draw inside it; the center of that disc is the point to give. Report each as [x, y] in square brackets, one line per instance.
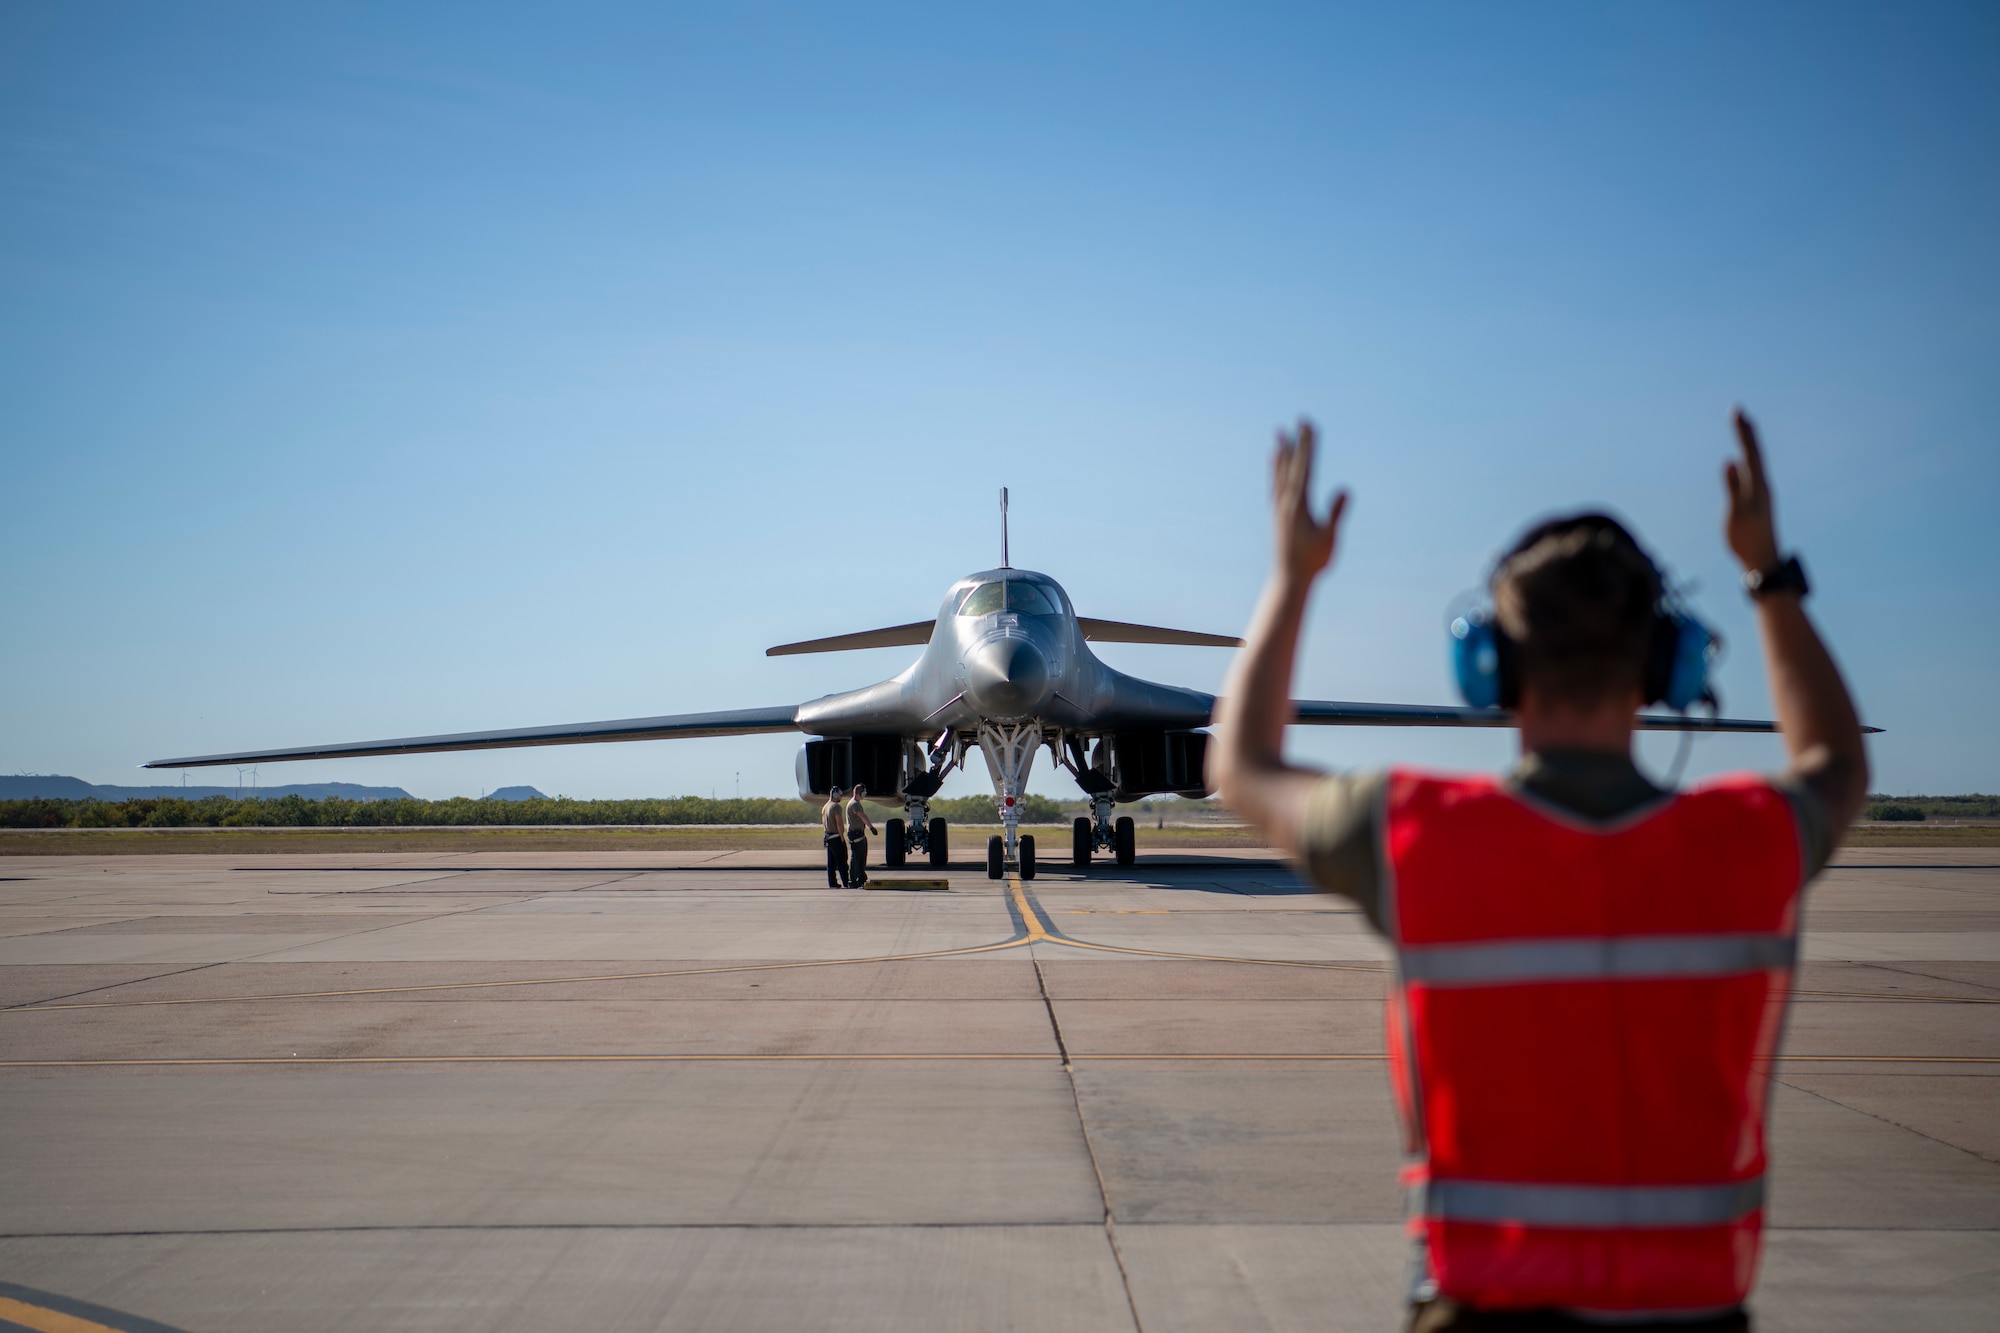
[1695, 649]
[1475, 659]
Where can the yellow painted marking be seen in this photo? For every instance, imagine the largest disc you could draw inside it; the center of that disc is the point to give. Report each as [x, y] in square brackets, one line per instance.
[504, 1059]
[1033, 933]
[524, 981]
[1895, 1059]
[1029, 920]
[1871, 995]
[640, 1059]
[1233, 1055]
[846, 1057]
[1038, 934]
[1376, 968]
[44, 1320]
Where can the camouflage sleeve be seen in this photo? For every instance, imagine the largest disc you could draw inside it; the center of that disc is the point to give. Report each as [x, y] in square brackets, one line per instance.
[1342, 840]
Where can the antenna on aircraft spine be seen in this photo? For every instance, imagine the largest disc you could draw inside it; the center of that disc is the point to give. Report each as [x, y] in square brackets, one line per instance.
[1003, 529]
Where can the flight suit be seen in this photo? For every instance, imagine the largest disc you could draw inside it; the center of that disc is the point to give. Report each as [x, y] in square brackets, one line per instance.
[836, 846]
[857, 845]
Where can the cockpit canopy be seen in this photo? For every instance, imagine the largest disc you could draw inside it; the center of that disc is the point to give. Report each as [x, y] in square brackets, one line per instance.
[1020, 596]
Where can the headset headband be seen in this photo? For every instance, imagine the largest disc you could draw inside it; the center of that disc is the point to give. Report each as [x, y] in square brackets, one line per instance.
[1600, 524]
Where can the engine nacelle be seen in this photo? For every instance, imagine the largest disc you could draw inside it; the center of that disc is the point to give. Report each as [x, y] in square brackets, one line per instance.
[1156, 763]
[876, 762]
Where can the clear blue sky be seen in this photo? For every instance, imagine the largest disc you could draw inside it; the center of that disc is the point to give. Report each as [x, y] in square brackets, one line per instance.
[368, 371]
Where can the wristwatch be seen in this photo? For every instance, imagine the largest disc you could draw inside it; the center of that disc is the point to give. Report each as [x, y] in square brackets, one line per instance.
[1788, 575]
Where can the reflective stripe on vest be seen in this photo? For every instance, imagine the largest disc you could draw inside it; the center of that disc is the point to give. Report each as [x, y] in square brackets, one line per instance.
[1628, 957]
[1589, 1205]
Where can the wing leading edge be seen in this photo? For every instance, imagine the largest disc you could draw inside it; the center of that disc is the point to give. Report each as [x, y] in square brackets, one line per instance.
[1118, 631]
[752, 721]
[680, 726]
[918, 632]
[913, 635]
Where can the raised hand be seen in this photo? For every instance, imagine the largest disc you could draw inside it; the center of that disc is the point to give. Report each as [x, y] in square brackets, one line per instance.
[1305, 543]
[1749, 525]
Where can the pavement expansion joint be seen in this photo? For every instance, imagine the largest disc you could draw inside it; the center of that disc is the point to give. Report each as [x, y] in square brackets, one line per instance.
[1053, 1103]
[1032, 926]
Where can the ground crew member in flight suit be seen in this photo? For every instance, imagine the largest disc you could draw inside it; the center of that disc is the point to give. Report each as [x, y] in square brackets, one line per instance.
[859, 826]
[830, 822]
[1591, 972]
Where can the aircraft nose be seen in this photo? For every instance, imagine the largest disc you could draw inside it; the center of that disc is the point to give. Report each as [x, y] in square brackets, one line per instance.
[1007, 677]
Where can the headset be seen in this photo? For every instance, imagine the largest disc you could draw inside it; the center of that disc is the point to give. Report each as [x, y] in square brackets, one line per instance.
[1680, 649]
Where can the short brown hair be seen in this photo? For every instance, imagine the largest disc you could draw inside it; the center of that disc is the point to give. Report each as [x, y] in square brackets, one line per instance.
[1576, 599]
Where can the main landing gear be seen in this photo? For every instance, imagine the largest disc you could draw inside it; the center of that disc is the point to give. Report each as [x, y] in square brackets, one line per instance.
[929, 837]
[917, 831]
[1097, 830]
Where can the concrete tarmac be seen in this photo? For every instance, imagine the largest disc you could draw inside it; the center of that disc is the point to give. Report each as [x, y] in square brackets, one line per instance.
[699, 1090]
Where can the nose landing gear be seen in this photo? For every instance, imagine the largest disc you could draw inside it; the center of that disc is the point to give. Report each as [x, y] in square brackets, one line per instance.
[1010, 752]
[996, 857]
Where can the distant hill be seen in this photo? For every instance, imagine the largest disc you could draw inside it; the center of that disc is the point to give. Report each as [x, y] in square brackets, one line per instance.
[515, 794]
[52, 786]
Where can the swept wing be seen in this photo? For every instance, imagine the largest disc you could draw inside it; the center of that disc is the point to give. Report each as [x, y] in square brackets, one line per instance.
[677, 726]
[1117, 631]
[914, 634]
[918, 632]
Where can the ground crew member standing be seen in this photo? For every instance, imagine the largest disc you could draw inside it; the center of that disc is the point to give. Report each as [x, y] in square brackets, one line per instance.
[830, 822]
[1591, 972]
[859, 826]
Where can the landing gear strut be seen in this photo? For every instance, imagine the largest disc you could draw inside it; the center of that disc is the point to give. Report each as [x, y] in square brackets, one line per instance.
[1010, 752]
[917, 831]
[1096, 831]
[1102, 831]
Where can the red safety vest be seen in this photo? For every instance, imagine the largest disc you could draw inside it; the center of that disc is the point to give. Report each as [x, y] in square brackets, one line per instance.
[1581, 1035]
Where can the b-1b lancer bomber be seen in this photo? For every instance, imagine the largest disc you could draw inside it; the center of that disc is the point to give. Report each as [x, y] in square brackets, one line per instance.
[1006, 667]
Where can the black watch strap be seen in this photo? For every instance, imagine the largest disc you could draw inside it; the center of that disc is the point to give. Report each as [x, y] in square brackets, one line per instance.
[1788, 575]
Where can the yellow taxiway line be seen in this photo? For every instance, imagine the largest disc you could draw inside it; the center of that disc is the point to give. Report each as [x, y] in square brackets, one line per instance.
[846, 1057]
[44, 1320]
[1026, 909]
[523, 981]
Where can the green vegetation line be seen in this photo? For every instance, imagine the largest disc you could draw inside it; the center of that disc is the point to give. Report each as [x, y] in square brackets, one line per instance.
[1915, 809]
[339, 812]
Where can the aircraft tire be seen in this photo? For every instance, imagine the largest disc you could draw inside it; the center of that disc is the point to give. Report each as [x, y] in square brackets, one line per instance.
[1082, 844]
[1027, 856]
[996, 858]
[1125, 839]
[939, 850]
[892, 842]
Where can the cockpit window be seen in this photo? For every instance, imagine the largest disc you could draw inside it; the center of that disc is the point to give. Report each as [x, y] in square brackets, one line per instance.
[1031, 599]
[1016, 595]
[984, 600]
